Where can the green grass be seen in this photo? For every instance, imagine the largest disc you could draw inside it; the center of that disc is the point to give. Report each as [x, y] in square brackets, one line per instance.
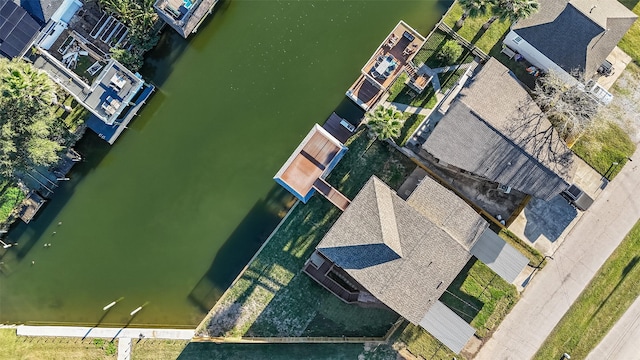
[478, 296]
[600, 305]
[428, 51]
[273, 297]
[411, 123]
[208, 351]
[10, 199]
[472, 30]
[426, 99]
[487, 297]
[631, 39]
[420, 342]
[398, 85]
[602, 146]
[76, 118]
[535, 257]
[48, 348]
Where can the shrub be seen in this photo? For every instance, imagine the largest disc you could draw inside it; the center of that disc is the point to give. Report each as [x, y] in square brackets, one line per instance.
[450, 51]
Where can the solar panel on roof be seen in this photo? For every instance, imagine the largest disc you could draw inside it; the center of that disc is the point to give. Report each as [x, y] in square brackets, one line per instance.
[17, 28]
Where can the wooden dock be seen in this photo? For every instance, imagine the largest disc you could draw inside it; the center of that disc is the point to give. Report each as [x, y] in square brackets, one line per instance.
[333, 195]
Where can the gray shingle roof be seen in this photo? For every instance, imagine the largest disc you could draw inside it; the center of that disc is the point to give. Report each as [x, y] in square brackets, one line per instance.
[409, 282]
[445, 209]
[495, 130]
[575, 34]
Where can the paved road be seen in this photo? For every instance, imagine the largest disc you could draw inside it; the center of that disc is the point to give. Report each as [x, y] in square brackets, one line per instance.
[622, 341]
[552, 291]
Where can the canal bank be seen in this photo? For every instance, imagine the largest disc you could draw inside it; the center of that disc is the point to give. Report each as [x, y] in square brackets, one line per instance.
[177, 207]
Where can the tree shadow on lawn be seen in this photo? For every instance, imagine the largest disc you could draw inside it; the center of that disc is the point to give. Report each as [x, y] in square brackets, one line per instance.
[207, 351]
[304, 308]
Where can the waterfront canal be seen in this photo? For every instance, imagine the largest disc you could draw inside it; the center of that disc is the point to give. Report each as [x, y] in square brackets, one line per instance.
[171, 213]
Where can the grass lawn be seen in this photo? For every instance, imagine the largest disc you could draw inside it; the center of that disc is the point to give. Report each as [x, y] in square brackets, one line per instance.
[398, 85]
[11, 197]
[411, 123]
[602, 146]
[429, 52]
[46, 348]
[426, 99]
[273, 298]
[481, 297]
[207, 351]
[472, 28]
[419, 342]
[477, 295]
[631, 39]
[610, 293]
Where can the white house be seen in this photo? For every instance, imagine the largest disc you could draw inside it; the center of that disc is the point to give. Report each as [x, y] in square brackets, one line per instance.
[567, 36]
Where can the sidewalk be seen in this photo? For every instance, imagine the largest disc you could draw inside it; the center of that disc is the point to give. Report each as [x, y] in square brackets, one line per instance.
[622, 340]
[124, 335]
[550, 294]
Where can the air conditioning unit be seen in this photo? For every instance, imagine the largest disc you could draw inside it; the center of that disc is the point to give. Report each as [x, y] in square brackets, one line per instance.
[504, 188]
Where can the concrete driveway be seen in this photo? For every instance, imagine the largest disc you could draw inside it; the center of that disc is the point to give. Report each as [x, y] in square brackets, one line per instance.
[552, 291]
[545, 224]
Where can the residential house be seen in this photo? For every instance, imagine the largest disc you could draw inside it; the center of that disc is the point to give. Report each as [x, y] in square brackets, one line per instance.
[184, 16]
[385, 251]
[17, 30]
[74, 49]
[495, 130]
[392, 58]
[569, 36]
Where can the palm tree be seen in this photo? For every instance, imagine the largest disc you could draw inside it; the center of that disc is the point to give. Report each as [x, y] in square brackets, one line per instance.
[512, 10]
[384, 123]
[472, 8]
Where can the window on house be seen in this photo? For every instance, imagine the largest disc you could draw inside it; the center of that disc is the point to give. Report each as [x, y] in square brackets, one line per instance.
[517, 39]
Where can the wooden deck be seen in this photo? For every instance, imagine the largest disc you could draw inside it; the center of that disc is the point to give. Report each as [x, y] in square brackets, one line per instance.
[365, 92]
[30, 207]
[402, 43]
[333, 195]
[320, 276]
[336, 129]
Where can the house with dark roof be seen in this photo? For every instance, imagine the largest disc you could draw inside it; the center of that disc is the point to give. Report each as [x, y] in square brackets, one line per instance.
[495, 130]
[17, 30]
[404, 254]
[570, 35]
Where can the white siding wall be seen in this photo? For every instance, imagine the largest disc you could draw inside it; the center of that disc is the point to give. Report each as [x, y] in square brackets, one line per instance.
[535, 57]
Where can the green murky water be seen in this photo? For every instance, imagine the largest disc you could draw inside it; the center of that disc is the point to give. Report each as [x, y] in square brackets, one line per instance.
[174, 210]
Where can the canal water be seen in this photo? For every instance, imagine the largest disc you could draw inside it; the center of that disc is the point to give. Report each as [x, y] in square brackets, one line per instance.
[171, 213]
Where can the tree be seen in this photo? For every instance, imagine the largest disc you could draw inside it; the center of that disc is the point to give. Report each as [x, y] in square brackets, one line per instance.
[450, 51]
[472, 8]
[140, 17]
[512, 10]
[385, 123]
[27, 124]
[569, 108]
